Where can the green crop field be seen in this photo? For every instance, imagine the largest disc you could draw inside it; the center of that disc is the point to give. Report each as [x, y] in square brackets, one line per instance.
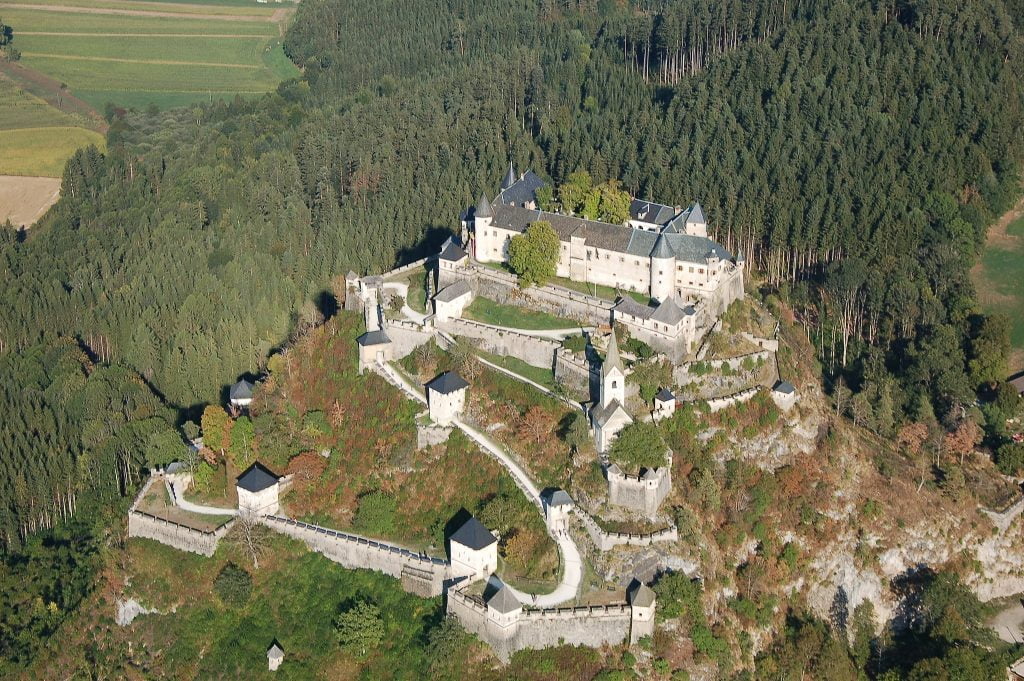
[42, 151]
[155, 53]
[19, 109]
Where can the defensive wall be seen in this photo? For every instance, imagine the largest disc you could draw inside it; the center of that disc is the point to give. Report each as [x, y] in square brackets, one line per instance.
[639, 493]
[176, 535]
[504, 288]
[408, 268]
[538, 352]
[420, 574]
[606, 541]
[589, 626]
[719, 403]
[683, 374]
[406, 336]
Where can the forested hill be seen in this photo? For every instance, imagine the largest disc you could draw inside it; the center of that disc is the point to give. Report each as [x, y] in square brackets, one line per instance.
[854, 151]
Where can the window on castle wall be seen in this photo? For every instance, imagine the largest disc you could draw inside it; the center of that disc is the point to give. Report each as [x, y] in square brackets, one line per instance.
[700, 271]
[615, 384]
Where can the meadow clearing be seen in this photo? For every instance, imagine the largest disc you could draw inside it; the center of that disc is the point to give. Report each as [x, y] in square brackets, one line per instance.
[999, 277]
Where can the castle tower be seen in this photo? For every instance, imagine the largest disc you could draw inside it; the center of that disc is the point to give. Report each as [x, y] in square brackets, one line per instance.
[613, 376]
[663, 270]
[473, 551]
[641, 604]
[503, 613]
[483, 218]
[696, 223]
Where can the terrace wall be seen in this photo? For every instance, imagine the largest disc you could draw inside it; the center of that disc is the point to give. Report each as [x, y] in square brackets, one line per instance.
[538, 352]
[606, 541]
[176, 535]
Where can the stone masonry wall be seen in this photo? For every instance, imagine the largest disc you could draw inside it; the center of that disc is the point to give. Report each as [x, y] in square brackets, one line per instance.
[172, 534]
[419, 574]
[606, 541]
[406, 336]
[720, 403]
[538, 352]
[590, 626]
[631, 492]
[504, 288]
[682, 375]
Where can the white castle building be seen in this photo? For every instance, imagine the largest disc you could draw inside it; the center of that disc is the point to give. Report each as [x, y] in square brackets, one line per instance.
[662, 251]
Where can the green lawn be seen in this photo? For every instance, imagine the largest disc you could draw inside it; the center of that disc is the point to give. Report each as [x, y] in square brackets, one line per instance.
[1001, 288]
[26, 22]
[543, 376]
[606, 292]
[20, 109]
[42, 151]
[489, 312]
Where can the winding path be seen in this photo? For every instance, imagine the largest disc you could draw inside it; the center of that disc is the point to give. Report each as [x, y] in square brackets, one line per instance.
[572, 572]
[178, 497]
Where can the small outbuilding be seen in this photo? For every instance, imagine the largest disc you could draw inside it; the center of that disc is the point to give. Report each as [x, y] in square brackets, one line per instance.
[450, 260]
[452, 300]
[784, 395]
[503, 608]
[374, 346]
[275, 656]
[473, 551]
[240, 394]
[664, 404]
[259, 491]
[557, 507]
[446, 397]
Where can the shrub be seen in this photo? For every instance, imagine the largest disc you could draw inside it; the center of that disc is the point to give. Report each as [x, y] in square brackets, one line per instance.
[376, 514]
[639, 445]
[233, 585]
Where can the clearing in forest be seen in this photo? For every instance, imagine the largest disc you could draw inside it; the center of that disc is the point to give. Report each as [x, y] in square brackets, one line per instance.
[23, 200]
[999, 277]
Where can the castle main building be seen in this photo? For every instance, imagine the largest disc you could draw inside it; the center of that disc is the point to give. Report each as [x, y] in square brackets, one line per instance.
[662, 251]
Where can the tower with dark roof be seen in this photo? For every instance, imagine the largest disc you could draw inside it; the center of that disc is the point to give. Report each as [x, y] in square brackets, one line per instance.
[613, 376]
[446, 397]
[473, 550]
[258, 490]
[663, 269]
[510, 177]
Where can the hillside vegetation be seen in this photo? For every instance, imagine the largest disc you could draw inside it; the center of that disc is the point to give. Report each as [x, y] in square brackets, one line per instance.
[855, 153]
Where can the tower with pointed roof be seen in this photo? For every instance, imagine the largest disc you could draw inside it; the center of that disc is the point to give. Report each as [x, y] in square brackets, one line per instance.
[663, 270]
[510, 177]
[613, 376]
[473, 550]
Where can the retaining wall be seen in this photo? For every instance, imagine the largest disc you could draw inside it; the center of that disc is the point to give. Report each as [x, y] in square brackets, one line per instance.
[406, 268]
[504, 288]
[682, 373]
[640, 495]
[175, 535]
[719, 403]
[406, 336]
[606, 541]
[419, 574]
[589, 626]
[538, 352]
[576, 372]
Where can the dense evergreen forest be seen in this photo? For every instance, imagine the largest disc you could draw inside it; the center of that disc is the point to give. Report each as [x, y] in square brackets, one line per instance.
[854, 151]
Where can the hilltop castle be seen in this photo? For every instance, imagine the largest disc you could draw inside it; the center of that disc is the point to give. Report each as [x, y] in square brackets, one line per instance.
[662, 251]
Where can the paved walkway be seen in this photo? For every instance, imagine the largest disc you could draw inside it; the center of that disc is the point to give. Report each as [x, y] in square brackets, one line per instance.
[572, 565]
[176, 492]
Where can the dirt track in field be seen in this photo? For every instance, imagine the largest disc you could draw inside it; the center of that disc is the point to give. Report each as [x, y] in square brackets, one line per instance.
[23, 200]
[278, 15]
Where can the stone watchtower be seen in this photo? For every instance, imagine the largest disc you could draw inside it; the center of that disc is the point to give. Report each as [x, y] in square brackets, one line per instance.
[483, 219]
[446, 397]
[641, 605]
[557, 507]
[663, 270]
[258, 491]
[473, 551]
[503, 613]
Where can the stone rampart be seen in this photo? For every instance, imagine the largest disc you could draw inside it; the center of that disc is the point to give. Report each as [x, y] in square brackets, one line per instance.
[606, 541]
[174, 534]
[407, 268]
[418, 573]
[576, 372]
[406, 336]
[643, 494]
[769, 344]
[429, 434]
[504, 288]
[588, 626]
[719, 403]
[684, 374]
[538, 352]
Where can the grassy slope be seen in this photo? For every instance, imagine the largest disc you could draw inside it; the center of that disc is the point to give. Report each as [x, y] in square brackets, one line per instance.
[42, 151]
[999, 278]
[490, 312]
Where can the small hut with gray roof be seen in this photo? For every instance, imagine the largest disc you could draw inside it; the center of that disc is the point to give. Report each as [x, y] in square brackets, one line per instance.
[446, 397]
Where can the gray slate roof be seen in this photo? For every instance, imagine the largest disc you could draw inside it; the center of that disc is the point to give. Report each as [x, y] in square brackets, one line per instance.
[453, 291]
[275, 651]
[451, 251]
[373, 338]
[559, 497]
[473, 534]
[783, 387]
[448, 382]
[667, 312]
[612, 360]
[483, 208]
[504, 602]
[665, 395]
[603, 415]
[627, 240]
[257, 478]
[510, 177]
[648, 211]
[643, 596]
[241, 390]
[521, 191]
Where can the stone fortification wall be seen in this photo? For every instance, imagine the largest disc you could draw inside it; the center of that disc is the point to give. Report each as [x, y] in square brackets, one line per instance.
[406, 336]
[407, 268]
[589, 626]
[430, 434]
[719, 403]
[538, 352]
[418, 573]
[504, 288]
[683, 374]
[576, 372]
[641, 495]
[175, 535]
[606, 541]
[769, 344]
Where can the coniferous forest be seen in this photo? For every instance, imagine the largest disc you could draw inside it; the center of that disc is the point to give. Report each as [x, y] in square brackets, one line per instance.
[853, 151]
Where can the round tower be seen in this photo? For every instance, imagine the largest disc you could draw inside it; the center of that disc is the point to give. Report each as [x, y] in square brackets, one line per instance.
[483, 218]
[663, 270]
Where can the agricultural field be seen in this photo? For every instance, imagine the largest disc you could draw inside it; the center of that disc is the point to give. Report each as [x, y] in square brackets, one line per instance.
[999, 278]
[136, 54]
